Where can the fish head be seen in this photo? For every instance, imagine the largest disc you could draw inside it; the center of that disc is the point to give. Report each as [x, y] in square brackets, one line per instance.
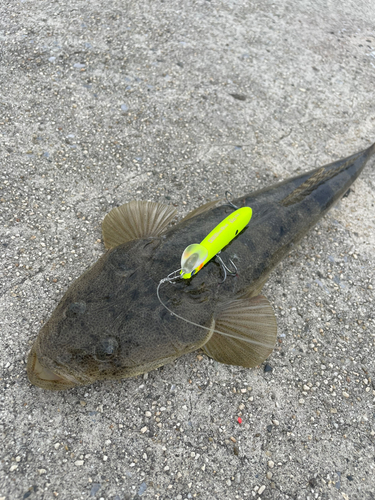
[111, 325]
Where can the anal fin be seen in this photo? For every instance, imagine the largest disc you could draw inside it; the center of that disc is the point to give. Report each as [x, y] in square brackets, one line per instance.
[248, 332]
[135, 220]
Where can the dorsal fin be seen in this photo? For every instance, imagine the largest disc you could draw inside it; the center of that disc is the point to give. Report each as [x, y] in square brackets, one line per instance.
[135, 220]
[201, 209]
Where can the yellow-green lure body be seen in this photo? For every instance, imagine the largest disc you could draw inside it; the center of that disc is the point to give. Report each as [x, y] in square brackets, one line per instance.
[195, 256]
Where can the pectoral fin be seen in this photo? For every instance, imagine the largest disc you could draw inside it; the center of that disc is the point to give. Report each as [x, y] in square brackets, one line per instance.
[135, 220]
[248, 335]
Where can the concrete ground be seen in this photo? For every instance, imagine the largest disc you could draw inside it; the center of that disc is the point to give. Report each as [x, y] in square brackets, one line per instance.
[177, 101]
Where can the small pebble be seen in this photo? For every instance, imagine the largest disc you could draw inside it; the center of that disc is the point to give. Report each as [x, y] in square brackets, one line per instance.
[78, 463]
[144, 429]
[94, 489]
[239, 97]
[261, 489]
[313, 482]
[142, 488]
[271, 464]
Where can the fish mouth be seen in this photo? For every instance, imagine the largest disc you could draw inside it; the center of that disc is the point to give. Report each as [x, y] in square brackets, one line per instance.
[45, 378]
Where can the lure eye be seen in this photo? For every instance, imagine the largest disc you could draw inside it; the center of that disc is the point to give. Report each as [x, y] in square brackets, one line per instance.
[193, 257]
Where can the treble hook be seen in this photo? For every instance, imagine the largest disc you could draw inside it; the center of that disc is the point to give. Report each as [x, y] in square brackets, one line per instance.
[171, 277]
[228, 201]
[225, 268]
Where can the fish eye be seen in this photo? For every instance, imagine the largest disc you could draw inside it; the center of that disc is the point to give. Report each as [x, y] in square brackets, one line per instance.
[75, 308]
[106, 349]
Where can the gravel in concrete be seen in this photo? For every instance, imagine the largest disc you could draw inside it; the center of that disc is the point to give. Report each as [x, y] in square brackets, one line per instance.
[178, 101]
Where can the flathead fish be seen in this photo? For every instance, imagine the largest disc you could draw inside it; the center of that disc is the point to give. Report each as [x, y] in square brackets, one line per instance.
[110, 324]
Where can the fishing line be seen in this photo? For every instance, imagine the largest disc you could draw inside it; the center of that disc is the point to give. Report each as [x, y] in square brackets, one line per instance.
[170, 279]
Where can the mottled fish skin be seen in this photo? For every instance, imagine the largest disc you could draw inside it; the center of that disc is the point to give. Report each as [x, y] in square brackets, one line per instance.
[110, 323]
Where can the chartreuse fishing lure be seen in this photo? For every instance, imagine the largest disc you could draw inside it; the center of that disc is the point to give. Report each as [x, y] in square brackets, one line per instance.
[195, 256]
